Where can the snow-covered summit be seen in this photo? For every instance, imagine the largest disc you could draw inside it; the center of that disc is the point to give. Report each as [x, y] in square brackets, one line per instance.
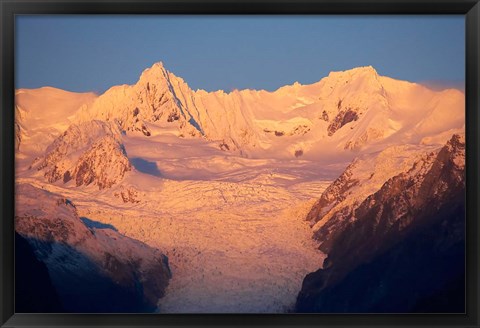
[356, 109]
[43, 114]
[356, 72]
[154, 73]
[351, 109]
[180, 170]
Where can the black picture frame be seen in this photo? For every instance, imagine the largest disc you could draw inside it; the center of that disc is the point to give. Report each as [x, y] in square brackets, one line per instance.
[10, 8]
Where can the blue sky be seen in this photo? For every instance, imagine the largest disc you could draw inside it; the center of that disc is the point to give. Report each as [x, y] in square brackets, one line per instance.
[93, 53]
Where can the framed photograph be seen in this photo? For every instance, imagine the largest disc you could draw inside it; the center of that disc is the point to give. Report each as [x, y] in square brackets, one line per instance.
[223, 163]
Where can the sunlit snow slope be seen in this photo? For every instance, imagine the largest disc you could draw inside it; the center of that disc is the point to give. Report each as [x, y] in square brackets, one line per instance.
[222, 182]
[345, 110]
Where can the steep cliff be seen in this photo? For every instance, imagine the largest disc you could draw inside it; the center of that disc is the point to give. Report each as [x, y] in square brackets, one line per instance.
[391, 244]
[93, 268]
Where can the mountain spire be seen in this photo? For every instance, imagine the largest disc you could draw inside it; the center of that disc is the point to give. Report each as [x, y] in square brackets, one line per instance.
[155, 72]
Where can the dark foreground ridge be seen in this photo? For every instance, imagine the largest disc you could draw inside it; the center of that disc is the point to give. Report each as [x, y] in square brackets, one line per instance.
[399, 263]
[63, 265]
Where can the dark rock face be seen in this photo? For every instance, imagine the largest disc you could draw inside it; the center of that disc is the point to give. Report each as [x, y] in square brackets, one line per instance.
[175, 116]
[159, 101]
[18, 136]
[224, 146]
[334, 194]
[34, 291]
[19, 130]
[299, 130]
[128, 195]
[404, 246]
[325, 116]
[404, 279]
[82, 285]
[144, 130]
[345, 116]
[92, 268]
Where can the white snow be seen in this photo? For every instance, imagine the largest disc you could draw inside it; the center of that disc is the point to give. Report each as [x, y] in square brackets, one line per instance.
[233, 246]
[232, 222]
[43, 115]
[389, 111]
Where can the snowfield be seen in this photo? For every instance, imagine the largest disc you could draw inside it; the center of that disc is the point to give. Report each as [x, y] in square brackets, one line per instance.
[222, 183]
[235, 236]
[233, 246]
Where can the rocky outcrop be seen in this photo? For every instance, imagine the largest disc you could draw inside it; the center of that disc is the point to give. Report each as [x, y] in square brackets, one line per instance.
[18, 136]
[18, 126]
[104, 164]
[333, 195]
[417, 215]
[93, 269]
[299, 130]
[88, 153]
[345, 116]
[128, 195]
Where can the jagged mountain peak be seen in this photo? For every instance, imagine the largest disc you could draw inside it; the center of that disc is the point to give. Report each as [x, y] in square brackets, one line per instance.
[351, 109]
[457, 142]
[364, 80]
[158, 97]
[158, 65]
[158, 73]
[155, 72]
[455, 152]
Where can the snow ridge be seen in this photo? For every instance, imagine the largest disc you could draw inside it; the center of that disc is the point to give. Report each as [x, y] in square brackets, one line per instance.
[420, 196]
[350, 109]
[364, 180]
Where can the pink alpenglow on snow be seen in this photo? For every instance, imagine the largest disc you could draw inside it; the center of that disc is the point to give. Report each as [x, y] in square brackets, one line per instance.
[238, 196]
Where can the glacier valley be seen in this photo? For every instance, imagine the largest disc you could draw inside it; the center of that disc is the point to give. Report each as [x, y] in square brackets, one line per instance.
[215, 202]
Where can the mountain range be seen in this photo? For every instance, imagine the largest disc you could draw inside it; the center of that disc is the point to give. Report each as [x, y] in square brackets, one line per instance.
[392, 152]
